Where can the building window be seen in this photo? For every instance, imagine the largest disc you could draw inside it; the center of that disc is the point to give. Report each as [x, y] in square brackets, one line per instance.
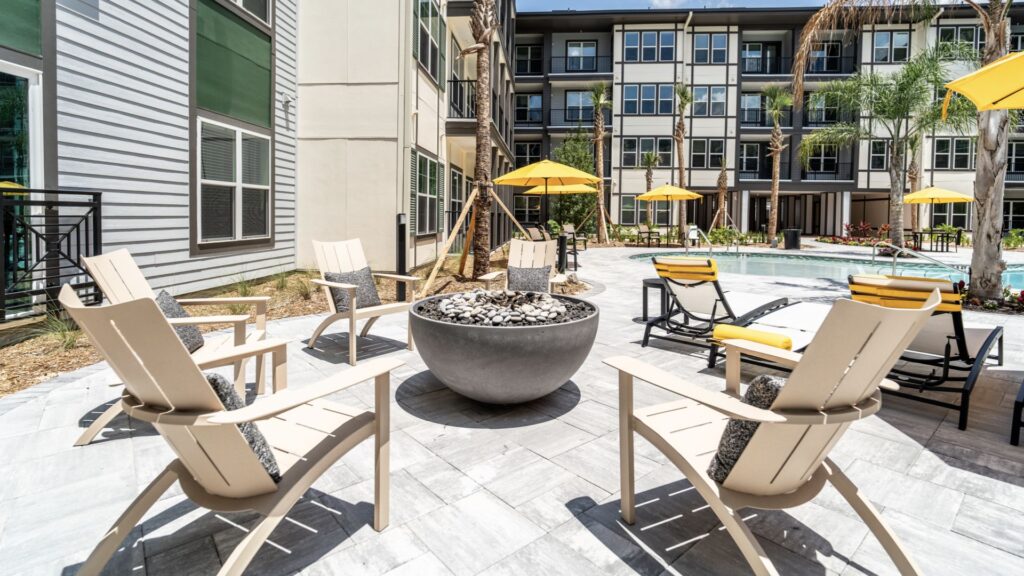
[648, 98]
[956, 214]
[649, 47]
[627, 211]
[1017, 42]
[879, 155]
[1013, 214]
[892, 46]
[825, 57]
[527, 153]
[824, 159]
[750, 157]
[667, 46]
[579, 106]
[258, 8]
[629, 155]
[707, 152]
[631, 47]
[581, 56]
[954, 154]
[234, 183]
[666, 99]
[527, 208]
[718, 100]
[633, 212]
[969, 37]
[425, 194]
[665, 152]
[457, 196]
[529, 60]
[429, 46]
[630, 98]
[20, 26]
[708, 101]
[529, 108]
[821, 111]
[699, 106]
[710, 48]
[1015, 159]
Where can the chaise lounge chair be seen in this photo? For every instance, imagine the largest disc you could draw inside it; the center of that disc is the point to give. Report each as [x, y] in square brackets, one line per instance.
[225, 463]
[782, 461]
[522, 254]
[120, 280]
[346, 259]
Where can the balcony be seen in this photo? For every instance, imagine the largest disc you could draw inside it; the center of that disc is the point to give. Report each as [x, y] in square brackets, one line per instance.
[828, 170]
[832, 65]
[531, 67]
[1015, 174]
[462, 99]
[757, 118]
[764, 171]
[761, 66]
[581, 65]
[817, 117]
[529, 118]
[576, 117]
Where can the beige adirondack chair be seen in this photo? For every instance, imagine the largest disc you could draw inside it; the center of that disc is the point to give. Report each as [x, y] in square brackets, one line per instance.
[348, 256]
[523, 254]
[215, 466]
[834, 383]
[120, 279]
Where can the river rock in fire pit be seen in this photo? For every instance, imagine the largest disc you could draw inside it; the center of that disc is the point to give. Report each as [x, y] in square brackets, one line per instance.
[504, 308]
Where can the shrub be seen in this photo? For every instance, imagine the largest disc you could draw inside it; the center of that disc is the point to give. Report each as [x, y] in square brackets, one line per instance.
[1014, 239]
[281, 280]
[304, 289]
[725, 236]
[63, 330]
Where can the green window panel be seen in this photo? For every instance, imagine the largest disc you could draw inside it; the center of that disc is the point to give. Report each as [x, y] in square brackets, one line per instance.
[233, 66]
[19, 26]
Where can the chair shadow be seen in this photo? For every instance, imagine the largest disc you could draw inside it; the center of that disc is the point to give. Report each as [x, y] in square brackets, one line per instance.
[333, 348]
[315, 527]
[427, 398]
[675, 527]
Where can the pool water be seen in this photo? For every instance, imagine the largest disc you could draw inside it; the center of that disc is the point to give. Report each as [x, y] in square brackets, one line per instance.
[835, 269]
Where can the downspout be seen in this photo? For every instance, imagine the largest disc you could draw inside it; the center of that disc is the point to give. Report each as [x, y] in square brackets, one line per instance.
[406, 115]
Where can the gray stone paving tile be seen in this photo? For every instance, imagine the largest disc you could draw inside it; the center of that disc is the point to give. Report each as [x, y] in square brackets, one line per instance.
[392, 549]
[968, 478]
[196, 558]
[483, 528]
[991, 524]
[559, 504]
[518, 476]
[812, 531]
[545, 555]
[425, 565]
[405, 451]
[549, 438]
[613, 550]
[409, 500]
[891, 454]
[443, 480]
[598, 462]
[717, 554]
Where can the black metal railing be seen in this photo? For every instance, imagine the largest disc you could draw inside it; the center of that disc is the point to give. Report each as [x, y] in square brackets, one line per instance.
[531, 67]
[529, 118]
[755, 117]
[815, 117]
[576, 117]
[43, 236]
[462, 99]
[831, 65]
[828, 170]
[778, 66]
[581, 65]
[1015, 174]
[764, 171]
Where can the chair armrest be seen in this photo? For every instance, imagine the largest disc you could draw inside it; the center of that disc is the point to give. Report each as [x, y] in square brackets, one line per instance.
[279, 402]
[195, 320]
[889, 385]
[329, 284]
[397, 277]
[491, 276]
[718, 401]
[243, 351]
[782, 357]
[224, 300]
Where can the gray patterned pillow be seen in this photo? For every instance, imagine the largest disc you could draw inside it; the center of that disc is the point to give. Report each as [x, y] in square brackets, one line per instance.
[225, 390]
[529, 279]
[366, 290]
[190, 336]
[761, 393]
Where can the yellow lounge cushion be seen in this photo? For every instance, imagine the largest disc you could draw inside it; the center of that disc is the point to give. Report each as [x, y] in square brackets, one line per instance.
[730, 332]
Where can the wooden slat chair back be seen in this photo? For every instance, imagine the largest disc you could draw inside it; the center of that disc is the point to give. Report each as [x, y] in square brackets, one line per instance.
[693, 284]
[118, 276]
[338, 257]
[524, 254]
[843, 366]
[160, 374]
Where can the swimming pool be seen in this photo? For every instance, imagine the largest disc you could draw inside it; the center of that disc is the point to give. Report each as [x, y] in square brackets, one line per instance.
[836, 269]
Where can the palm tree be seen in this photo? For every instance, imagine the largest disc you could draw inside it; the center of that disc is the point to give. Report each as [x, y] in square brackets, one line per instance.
[902, 107]
[723, 188]
[993, 126]
[649, 161]
[483, 23]
[683, 99]
[777, 100]
[601, 101]
[914, 175]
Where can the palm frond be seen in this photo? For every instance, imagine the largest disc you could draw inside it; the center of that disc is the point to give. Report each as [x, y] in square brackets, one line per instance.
[600, 97]
[841, 134]
[649, 160]
[683, 97]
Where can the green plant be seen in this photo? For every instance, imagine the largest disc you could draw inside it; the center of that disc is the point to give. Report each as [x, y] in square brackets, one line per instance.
[577, 151]
[554, 227]
[281, 280]
[63, 330]
[304, 289]
[724, 236]
[243, 287]
[1014, 239]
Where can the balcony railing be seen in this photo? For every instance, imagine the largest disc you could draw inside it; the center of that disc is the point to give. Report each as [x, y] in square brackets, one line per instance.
[577, 117]
[764, 171]
[755, 117]
[462, 99]
[1015, 174]
[581, 65]
[762, 66]
[529, 118]
[828, 170]
[814, 117]
[43, 236]
[532, 67]
[832, 65]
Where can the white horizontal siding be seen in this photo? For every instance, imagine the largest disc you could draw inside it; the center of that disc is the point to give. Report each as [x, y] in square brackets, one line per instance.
[123, 128]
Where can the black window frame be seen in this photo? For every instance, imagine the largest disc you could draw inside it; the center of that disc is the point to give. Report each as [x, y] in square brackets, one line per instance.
[874, 155]
[531, 60]
[710, 56]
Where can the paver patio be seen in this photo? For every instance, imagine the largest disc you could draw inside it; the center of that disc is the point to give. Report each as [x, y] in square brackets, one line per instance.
[530, 489]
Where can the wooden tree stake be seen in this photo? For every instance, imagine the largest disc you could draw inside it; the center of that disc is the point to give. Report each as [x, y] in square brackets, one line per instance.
[443, 254]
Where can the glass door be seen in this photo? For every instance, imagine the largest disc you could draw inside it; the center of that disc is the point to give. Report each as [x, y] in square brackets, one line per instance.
[19, 165]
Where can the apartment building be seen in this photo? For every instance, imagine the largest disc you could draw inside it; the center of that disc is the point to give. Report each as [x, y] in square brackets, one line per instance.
[727, 56]
[387, 121]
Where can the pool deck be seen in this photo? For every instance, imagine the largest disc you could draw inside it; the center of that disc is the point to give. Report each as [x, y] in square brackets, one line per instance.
[531, 489]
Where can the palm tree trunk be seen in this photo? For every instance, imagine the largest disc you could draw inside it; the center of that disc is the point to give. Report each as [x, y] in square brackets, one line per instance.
[602, 228]
[896, 185]
[914, 180]
[680, 138]
[773, 209]
[650, 186]
[987, 263]
[482, 20]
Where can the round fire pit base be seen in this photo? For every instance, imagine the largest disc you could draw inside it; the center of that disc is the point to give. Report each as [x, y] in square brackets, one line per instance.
[503, 364]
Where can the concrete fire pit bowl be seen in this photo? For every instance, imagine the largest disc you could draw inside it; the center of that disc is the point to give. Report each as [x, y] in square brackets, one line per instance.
[504, 364]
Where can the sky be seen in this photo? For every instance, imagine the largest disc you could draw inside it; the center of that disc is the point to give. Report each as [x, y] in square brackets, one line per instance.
[538, 5]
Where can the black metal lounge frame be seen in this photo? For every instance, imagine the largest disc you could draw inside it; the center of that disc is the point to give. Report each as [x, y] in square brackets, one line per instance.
[1018, 417]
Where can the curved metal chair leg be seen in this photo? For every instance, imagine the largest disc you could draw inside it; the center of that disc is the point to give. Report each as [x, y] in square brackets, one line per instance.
[744, 539]
[250, 545]
[366, 327]
[320, 329]
[99, 424]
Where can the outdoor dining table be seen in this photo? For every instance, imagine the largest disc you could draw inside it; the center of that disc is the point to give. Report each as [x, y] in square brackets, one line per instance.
[938, 241]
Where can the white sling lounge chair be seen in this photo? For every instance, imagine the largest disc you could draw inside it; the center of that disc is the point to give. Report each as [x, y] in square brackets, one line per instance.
[216, 466]
[344, 257]
[523, 254]
[119, 278]
[785, 463]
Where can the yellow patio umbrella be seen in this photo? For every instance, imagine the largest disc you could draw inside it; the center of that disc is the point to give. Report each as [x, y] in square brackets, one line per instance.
[668, 192]
[546, 173]
[933, 195]
[562, 189]
[998, 86]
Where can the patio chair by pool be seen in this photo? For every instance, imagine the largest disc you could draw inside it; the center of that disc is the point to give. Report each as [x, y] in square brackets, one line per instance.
[527, 255]
[350, 301]
[647, 234]
[574, 238]
[119, 278]
[231, 457]
[769, 450]
[949, 354]
[697, 303]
